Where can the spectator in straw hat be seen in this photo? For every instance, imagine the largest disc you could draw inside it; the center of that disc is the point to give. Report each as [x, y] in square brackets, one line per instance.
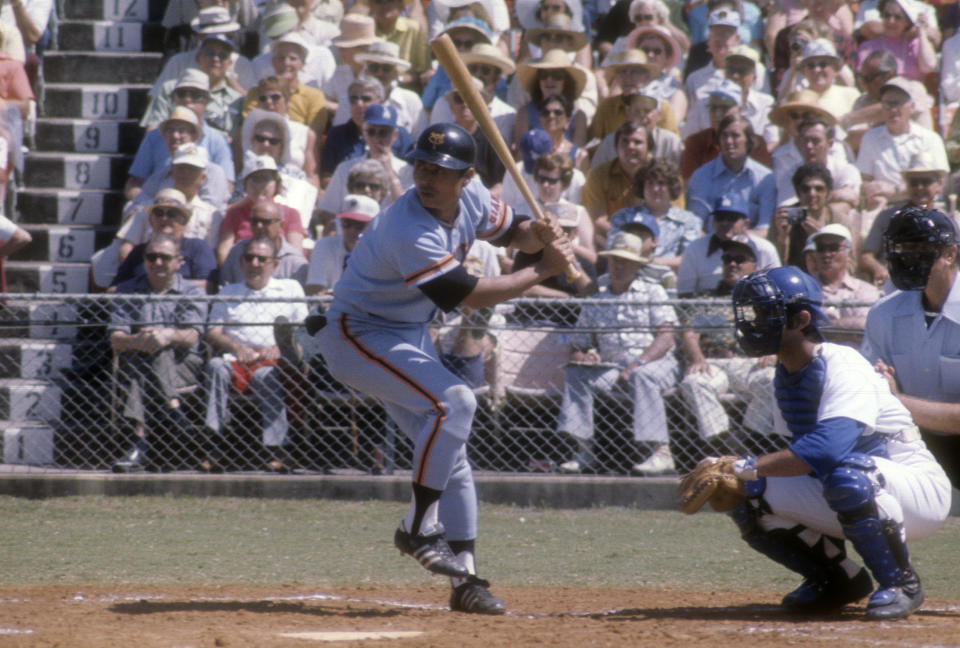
[663, 51]
[154, 150]
[639, 361]
[925, 185]
[464, 33]
[645, 106]
[820, 65]
[181, 127]
[217, 51]
[170, 214]
[382, 61]
[305, 104]
[487, 63]
[357, 33]
[550, 75]
[627, 73]
[886, 150]
[330, 254]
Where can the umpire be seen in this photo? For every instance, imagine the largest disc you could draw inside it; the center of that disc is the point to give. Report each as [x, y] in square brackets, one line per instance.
[406, 266]
[913, 336]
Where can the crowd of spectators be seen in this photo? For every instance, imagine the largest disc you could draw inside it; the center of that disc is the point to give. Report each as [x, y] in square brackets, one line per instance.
[680, 143]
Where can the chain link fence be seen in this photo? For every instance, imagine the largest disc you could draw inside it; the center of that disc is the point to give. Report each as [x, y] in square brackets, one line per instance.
[73, 400]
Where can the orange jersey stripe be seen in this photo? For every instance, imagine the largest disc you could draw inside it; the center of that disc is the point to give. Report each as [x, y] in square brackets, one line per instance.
[413, 276]
[501, 220]
[410, 382]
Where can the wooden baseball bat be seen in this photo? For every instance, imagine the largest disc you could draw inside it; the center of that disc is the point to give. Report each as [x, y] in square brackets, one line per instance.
[449, 58]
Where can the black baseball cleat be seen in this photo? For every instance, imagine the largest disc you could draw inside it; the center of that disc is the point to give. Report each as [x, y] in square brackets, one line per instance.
[431, 551]
[813, 597]
[474, 597]
[896, 602]
[133, 462]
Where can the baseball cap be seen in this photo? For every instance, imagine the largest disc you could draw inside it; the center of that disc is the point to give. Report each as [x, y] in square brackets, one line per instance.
[724, 17]
[293, 38]
[171, 197]
[728, 90]
[380, 115]
[222, 38]
[732, 204]
[194, 78]
[821, 48]
[744, 52]
[626, 246]
[903, 85]
[253, 163]
[833, 229]
[567, 213]
[737, 246]
[191, 154]
[471, 23]
[183, 114]
[534, 143]
[279, 19]
[359, 208]
[646, 219]
[214, 20]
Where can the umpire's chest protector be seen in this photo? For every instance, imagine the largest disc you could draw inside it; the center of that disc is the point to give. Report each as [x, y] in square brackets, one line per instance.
[798, 395]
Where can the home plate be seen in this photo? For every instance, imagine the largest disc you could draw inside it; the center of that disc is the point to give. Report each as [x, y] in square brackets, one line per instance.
[352, 635]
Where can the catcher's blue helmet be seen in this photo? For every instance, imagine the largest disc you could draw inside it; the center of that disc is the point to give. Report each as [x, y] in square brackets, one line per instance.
[446, 145]
[913, 240]
[763, 300]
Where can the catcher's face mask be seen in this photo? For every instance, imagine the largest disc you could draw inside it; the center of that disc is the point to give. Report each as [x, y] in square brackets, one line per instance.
[910, 264]
[760, 314]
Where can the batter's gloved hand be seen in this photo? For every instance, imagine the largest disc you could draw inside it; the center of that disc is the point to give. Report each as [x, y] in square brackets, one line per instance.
[713, 480]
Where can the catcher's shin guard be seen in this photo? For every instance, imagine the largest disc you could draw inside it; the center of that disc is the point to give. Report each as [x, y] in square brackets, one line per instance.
[881, 543]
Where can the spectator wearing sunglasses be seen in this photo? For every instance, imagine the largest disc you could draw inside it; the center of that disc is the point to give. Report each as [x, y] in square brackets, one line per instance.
[268, 130]
[156, 345]
[909, 33]
[487, 63]
[192, 91]
[380, 135]
[170, 214]
[715, 363]
[346, 141]
[266, 221]
[357, 33]
[249, 357]
[553, 74]
[820, 67]
[382, 61]
[262, 183]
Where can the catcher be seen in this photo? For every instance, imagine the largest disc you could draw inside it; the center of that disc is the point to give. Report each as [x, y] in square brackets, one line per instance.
[855, 468]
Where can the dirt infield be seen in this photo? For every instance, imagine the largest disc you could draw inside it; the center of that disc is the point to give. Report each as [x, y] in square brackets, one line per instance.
[296, 615]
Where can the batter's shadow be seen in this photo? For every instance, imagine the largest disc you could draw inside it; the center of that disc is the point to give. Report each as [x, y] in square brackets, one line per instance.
[314, 608]
[750, 612]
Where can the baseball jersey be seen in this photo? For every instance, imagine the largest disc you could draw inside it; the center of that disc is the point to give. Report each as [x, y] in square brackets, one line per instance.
[406, 247]
[852, 389]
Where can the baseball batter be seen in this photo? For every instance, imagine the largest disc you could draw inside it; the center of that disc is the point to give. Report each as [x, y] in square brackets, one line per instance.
[855, 469]
[407, 265]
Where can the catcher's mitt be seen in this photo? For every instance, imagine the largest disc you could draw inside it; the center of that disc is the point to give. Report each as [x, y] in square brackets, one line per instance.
[711, 481]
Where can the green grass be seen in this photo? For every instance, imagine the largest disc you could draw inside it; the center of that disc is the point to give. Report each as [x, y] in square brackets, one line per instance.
[253, 541]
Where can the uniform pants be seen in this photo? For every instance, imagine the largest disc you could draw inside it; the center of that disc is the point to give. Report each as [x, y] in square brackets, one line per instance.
[915, 492]
[398, 365]
[701, 391]
[266, 386]
[581, 383]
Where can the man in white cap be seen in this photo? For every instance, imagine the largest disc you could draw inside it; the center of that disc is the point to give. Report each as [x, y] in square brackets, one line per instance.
[925, 183]
[219, 104]
[721, 38]
[886, 150]
[820, 66]
[330, 254]
[382, 61]
[833, 247]
[191, 91]
[740, 67]
[215, 30]
[306, 104]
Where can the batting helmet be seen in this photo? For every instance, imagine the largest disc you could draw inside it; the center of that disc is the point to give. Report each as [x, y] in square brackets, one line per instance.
[446, 145]
[762, 302]
[913, 240]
